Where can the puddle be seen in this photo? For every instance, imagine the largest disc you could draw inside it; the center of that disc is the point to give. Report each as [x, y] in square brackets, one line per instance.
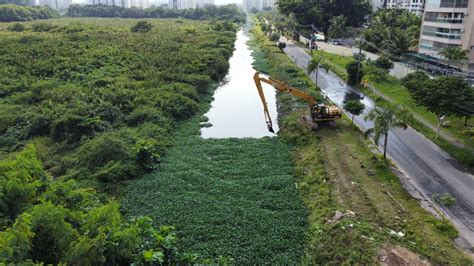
[237, 110]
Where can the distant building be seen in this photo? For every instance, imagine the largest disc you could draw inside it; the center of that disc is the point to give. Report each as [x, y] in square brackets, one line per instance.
[185, 4]
[139, 3]
[120, 3]
[446, 23]
[414, 6]
[248, 5]
[377, 4]
[56, 4]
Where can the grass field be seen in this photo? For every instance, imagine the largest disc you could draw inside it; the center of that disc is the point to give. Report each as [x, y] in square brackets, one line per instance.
[226, 197]
[336, 170]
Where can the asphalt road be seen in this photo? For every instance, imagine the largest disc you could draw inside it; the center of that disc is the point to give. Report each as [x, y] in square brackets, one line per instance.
[425, 166]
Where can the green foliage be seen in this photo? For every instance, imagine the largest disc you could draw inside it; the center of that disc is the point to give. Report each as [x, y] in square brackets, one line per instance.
[415, 80]
[101, 98]
[142, 26]
[320, 13]
[394, 30]
[355, 72]
[281, 45]
[454, 53]
[444, 199]
[18, 27]
[42, 27]
[337, 28]
[354, 107]
[227, 13]
[219, 192]
[63, 223]
[386, 117]
[9, 12]
[383, 62]
[274, 37]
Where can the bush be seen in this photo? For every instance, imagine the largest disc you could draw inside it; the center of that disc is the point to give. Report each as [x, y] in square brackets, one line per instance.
[355, 73]
[415, 80]
[274, 37]
[384, 63]
[142, 26]
[42, 27]
[17, 27]
[281, 45]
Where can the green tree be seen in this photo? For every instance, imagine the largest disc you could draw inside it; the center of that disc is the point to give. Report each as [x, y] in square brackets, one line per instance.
[355, 72]
[454, 54]
[337, 28]
[386, 118]
[354, 107]
[442, 96]
[398, 41]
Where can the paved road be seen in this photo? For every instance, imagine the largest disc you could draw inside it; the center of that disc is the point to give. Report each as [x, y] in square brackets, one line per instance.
[423, 164]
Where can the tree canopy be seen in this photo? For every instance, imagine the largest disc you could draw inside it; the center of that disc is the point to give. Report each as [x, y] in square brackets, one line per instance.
[320, 12]
[229, 12]
[12, 12]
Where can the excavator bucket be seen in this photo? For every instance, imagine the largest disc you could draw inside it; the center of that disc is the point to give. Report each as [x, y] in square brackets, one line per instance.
[270, 128]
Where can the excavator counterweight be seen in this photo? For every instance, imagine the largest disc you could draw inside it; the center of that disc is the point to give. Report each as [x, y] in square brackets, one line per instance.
[319, 113]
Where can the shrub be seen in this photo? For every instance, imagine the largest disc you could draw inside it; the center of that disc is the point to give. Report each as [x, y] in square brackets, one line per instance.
[274, 37]
[281, 45]
[178, 106]
[383, 62]
[17, 27]
[142, 26]
[42, 27]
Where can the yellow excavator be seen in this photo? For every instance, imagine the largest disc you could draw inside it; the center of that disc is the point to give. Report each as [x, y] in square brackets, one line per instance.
[319, 113]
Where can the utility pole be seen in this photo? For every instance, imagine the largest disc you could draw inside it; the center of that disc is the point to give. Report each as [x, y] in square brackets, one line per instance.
[359, 56]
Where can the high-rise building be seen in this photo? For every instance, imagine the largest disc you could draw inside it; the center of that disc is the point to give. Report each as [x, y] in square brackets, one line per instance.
[415, 6]
[248, 5]
[185, 4]
[121, 3]
[139, 3]
[56, 4]
[448, 23]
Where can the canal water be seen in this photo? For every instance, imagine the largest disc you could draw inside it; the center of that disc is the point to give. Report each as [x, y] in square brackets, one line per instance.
[237, 110]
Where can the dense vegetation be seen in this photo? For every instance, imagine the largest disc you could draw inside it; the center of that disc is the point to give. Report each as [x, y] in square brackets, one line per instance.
[393, 31]
[12, 12]
[233, 197]
[98, 103]
[229, 13]
[56, 221]
[319, 13]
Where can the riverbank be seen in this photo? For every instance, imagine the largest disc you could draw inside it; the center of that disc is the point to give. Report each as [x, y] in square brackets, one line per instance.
[337, 172]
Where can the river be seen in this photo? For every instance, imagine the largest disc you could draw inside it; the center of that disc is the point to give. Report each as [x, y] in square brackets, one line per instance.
[237, 110]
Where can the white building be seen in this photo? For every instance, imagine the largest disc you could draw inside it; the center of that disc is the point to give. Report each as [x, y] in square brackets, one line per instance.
[56, 4]
[376, 4]
[415, 6]
[448, 23]
[248, 5]
[185, 4]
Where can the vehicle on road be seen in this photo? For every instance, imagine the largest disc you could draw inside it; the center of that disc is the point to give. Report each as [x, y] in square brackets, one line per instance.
[319, 112]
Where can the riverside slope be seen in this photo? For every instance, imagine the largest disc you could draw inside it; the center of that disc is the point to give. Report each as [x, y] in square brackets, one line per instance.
[425, 166]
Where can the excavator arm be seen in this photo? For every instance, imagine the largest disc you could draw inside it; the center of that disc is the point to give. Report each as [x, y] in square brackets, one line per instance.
[281, 87]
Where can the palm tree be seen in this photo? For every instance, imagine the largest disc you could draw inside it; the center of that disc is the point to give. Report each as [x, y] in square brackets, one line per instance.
[313, 65]
[456, 54]
[385, 119]
[398, 41]
[337, 28]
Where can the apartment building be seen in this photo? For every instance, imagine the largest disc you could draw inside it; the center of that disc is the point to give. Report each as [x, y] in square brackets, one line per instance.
[185, 4]
[120, 3]
[248, 5]
[448, 23]
[415, 6]
[56, 4]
